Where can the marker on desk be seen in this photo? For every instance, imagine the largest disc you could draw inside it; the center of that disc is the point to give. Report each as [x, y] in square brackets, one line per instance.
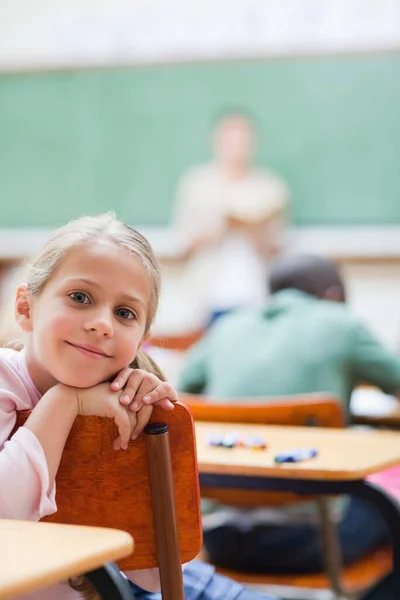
[295, 456]
[223, 440]
[215, 439]
[230, 440]
[255, 443]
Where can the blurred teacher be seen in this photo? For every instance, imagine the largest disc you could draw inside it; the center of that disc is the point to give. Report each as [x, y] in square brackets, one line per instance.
[231, 215]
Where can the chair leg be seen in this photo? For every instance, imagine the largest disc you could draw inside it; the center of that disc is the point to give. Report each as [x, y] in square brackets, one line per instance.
[110, 583]
[165, 521]
[331, 547]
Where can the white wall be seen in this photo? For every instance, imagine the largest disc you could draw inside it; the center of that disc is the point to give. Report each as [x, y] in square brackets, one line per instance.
[53, 33]
[374, 295]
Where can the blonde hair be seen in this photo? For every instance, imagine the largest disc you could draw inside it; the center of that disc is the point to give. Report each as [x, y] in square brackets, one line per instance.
[87, 230]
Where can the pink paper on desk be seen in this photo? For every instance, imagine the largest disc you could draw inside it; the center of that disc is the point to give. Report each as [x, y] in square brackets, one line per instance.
[389, 480]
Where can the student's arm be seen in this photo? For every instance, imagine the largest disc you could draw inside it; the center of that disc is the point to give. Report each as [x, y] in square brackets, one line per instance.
[194, 375]
[147, 579]
[29, 460]
[26, 491]
[372, 363]
[50, 422]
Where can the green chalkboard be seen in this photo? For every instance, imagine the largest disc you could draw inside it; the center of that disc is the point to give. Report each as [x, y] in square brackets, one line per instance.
[88, 141]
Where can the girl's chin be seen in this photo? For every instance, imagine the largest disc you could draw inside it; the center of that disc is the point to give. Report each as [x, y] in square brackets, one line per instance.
[79, 382]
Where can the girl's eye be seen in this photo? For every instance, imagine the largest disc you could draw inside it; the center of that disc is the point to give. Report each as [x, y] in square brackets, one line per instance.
[125, 313]
[80, 297]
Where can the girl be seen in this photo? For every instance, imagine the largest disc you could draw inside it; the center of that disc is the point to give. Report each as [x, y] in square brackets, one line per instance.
[85, 311]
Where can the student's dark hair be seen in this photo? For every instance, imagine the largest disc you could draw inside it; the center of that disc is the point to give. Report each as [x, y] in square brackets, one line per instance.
[313, 275]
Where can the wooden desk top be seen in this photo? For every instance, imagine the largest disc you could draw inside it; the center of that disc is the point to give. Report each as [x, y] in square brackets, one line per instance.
[36, 555]
[342, 453]
[370, 406]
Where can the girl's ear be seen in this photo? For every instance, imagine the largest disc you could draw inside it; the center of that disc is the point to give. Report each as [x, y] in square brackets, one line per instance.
[23, 308]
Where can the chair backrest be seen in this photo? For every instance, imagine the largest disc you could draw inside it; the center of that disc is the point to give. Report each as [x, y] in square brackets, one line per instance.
[99, 486]
[179, 342]
[317, 409]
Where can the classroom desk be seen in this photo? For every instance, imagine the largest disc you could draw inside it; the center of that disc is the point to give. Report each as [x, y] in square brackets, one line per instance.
[37, 555]
[370, 406]
[345, 458]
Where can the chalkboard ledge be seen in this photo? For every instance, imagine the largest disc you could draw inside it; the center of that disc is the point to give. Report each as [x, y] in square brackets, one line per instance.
[366, 244]
[19, 243]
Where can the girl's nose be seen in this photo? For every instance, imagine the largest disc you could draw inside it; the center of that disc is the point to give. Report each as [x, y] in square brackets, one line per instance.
[101, 323]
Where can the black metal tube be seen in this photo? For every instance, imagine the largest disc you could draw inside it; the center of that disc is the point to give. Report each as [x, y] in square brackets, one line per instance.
[110, 582]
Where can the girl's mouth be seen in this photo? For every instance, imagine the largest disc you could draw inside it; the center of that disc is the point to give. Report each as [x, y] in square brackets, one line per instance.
[88, 350]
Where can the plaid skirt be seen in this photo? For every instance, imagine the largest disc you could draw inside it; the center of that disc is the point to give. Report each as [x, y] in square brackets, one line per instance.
[202, 583]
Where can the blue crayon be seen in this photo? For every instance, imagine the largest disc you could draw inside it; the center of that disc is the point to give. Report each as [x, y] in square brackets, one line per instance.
[295, 456]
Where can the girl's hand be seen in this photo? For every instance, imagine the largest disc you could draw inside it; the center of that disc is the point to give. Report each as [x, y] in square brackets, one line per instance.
[142, 388]
[100, 401]
[138, 422]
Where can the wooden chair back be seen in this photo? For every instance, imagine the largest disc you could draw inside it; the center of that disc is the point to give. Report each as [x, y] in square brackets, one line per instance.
[316, 409]
[99, 486]
[179, 342]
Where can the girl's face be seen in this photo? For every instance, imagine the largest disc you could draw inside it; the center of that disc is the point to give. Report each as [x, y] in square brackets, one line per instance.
[90, 319]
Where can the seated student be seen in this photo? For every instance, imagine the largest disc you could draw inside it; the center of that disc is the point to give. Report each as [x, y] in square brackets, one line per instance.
[304, 340]
[83, 355]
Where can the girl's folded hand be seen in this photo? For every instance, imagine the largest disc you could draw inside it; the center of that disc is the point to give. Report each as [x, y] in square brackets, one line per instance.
[141, 388]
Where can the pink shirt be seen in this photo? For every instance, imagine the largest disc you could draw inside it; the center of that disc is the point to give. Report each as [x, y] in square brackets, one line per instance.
[23, 468]
[22, 460]
[389, 480]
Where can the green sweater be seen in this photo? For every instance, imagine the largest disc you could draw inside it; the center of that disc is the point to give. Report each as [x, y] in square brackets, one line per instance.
[297, 344]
